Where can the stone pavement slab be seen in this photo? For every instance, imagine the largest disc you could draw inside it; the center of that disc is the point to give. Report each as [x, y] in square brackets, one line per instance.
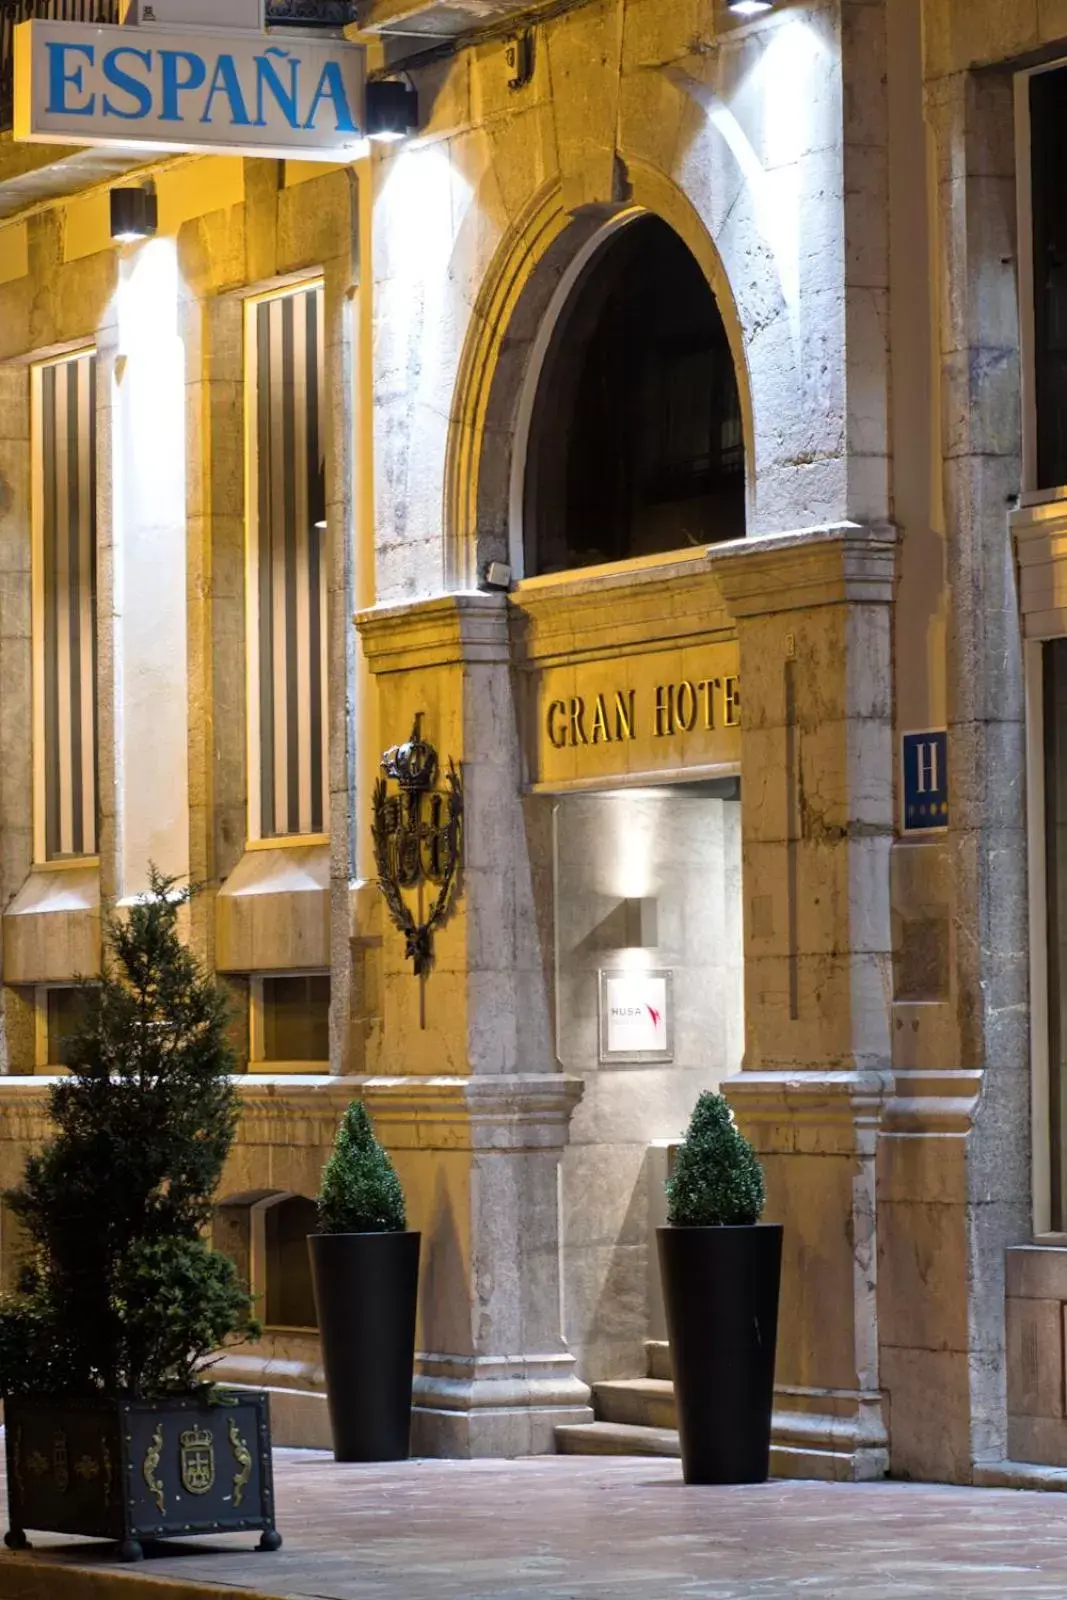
[574, 1528]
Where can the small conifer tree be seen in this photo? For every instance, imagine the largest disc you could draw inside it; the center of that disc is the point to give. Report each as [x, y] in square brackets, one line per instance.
[120, 1293]
[717, 1179]
[360, 1191]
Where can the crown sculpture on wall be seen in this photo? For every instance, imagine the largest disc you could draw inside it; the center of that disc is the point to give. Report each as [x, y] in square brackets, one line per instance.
[418, 841]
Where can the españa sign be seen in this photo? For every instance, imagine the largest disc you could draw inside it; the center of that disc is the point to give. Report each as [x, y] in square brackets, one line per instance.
[227, 91]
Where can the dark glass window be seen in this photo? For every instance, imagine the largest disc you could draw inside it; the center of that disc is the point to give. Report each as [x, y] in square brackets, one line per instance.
[290, 1298]
[296, 1018]
[1048, 135]
[66, 1012]
[636, 444]
[1055, 698]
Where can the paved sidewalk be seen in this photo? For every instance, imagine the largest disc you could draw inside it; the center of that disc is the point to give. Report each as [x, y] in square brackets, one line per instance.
[573, 1528]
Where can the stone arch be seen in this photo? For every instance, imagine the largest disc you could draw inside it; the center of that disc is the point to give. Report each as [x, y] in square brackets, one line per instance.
[262, 1231]
[536, 265]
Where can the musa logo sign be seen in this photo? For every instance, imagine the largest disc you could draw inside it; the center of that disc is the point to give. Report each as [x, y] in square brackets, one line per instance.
[228, 91]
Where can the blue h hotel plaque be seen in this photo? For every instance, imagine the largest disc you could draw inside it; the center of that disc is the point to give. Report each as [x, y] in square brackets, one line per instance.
[925, 757]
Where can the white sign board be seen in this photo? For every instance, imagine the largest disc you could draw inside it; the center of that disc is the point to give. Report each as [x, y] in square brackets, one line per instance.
[635, 1016]
[226, 92]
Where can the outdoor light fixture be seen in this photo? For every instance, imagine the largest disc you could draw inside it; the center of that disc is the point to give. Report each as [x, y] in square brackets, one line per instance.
[392, 109]
[749, 8]
[496, 575]
[133, 214]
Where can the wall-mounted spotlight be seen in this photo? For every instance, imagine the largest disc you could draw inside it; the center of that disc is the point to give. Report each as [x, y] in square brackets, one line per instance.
[134, 213]
[392, 109]
[749, 8]
[496, 575]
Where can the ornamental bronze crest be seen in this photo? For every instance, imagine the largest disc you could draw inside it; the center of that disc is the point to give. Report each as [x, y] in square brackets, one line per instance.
[198, 1460]
[418, 842]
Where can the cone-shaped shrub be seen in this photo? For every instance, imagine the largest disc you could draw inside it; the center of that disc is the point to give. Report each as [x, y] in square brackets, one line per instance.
[717, 1179]
[120, 1293]
[360, 1191]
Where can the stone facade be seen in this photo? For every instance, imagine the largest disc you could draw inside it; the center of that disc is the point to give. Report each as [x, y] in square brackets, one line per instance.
[845, 174]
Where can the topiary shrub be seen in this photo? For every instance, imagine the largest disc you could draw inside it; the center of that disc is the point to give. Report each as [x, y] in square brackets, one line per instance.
[360, 1192]
[120, 1293]
[717, 1179]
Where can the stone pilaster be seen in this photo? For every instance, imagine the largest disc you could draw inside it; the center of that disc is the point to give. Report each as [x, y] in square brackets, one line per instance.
[955, 1177]
[467, 1099]
[813, 619]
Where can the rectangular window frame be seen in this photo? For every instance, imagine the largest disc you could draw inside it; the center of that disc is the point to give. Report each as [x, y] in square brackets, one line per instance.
[41, 1063]
[257, 1060]
[89, 710]
[257, 836]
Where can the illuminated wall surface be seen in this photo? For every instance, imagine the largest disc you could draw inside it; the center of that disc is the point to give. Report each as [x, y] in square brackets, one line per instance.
[848, 209]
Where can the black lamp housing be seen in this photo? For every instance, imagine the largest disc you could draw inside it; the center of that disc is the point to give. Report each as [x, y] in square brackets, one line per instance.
[392, 109]
[134, 213]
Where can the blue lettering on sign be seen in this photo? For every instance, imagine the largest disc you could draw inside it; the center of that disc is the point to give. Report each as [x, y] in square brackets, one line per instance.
[139, 93]
[331, 86]
[267, 78]
[925, 758]
[226, 82]
[228, 88]
[59, 77]
[173, 85]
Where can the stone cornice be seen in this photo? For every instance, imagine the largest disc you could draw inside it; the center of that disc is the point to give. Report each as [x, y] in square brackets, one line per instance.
[812, 1112]
[798, 571]
[446, 630]
[493, 1112]
[586, 616]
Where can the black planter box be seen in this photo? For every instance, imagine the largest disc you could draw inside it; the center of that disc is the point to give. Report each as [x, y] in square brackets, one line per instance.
[131, 1470]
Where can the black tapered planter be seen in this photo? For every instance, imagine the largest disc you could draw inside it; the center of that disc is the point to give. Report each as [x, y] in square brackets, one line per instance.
[720, 1290]
[366, 1285]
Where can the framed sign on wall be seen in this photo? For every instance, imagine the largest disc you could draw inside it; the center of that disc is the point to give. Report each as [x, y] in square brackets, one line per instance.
[636, 1016]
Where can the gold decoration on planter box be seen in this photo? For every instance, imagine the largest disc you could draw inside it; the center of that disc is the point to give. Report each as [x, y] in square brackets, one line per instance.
[87, 1468]
[148, 1468]
[198, 1460]
[243, 1456]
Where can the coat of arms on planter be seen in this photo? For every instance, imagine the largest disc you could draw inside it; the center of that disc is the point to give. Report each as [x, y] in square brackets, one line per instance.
[418, 842]
[198, 1460]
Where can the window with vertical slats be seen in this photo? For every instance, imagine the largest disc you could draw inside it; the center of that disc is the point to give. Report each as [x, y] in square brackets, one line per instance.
[288, 568]
[65, 606]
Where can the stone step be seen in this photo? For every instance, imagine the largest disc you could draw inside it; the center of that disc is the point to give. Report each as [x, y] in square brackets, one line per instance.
[615, 1439]
[658, 1359]
[636, 1402]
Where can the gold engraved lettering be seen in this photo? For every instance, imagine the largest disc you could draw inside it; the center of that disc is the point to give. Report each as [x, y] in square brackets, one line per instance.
[704, 689]
[664, 710]
[601, 732]
[577, 721]
[731, 702]
[686, 705]
[624, 714]
[557, 724]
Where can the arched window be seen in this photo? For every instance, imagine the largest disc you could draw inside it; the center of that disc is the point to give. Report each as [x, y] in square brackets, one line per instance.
[636, 445]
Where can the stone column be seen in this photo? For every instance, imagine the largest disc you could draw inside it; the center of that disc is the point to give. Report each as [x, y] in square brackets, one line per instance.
[813, 619]
[955, 1157]
[464, 1093]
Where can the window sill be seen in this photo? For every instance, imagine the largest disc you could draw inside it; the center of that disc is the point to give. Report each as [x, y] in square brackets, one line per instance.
[313, 1069]
[288, 841]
